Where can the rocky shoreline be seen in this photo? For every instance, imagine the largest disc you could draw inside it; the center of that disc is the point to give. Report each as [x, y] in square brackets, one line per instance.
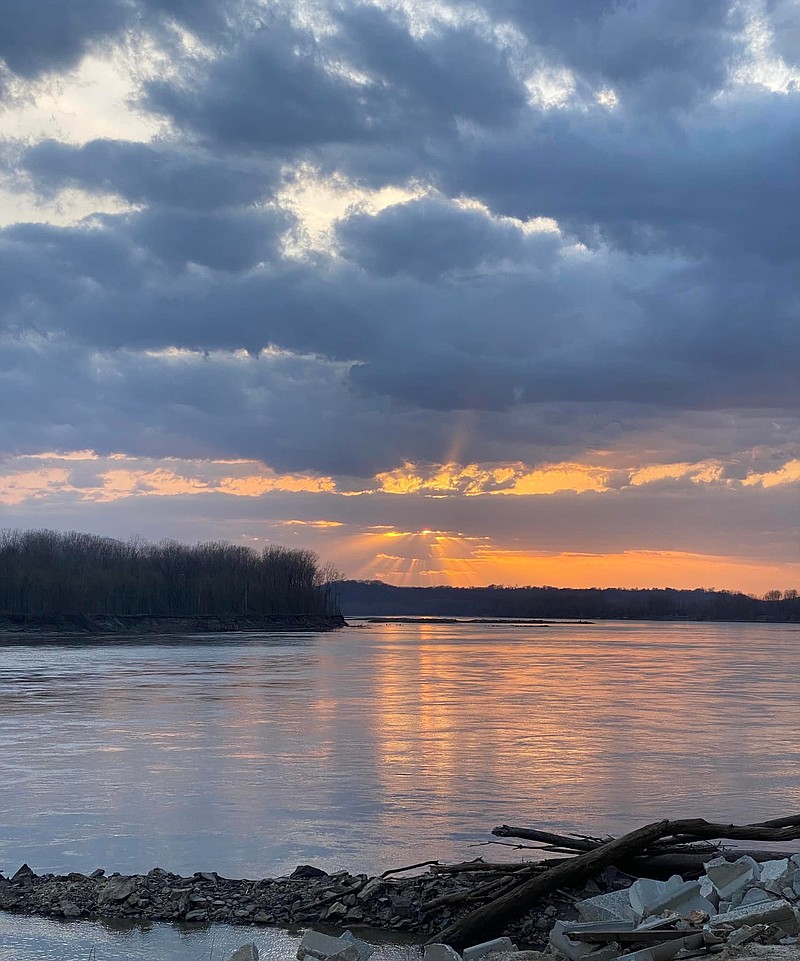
[610, 917]
[134, 624]
[419, 905]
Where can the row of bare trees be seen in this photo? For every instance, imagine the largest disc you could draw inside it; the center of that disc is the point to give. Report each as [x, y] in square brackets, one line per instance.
[377, 598]
[45, 572]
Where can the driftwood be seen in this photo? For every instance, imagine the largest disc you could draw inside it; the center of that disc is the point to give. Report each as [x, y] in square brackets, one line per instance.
[495, 887]
[479, 866]
[570, 842]
[683, 854]
[574, 842]
[486, 921]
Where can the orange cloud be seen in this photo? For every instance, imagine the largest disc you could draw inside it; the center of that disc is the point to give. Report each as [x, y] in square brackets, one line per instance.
[472, 479]
[24, 485]
[254, 485]
[129, 483]
[560, 477]
[788, 474]
[319, 524]
[520, 479]
[118, 476]
[703, 472]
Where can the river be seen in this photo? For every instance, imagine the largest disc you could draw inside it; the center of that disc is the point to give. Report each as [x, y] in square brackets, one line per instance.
[375, 746]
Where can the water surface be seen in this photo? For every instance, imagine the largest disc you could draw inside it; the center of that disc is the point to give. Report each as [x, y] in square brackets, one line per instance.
[382, 745]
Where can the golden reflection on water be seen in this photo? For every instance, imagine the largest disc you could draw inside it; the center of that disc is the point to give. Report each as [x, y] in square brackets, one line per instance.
[387, 744]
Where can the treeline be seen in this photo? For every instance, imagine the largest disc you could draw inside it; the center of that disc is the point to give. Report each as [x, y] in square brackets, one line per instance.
[49, 573]
[376, 598]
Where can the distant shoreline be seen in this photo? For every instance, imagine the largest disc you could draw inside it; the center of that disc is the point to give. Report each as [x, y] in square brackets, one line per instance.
[130, 624]
[369, 599]
[489, 621]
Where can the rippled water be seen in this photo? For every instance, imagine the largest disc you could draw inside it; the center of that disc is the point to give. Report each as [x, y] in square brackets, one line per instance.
[381, 745]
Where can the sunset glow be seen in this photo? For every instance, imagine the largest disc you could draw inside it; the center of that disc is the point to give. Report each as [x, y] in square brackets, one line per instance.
[499, 292]
[325, 513]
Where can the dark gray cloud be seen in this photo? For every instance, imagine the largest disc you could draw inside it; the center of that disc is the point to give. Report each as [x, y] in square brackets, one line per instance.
[273, 89]
[50, 35]
[222, 240]
[724, 183]
[280, 88]
[157, 174]
[669, 289]
[566, 324]
[430, 237]
[295, 413]
[445, 74]
[661, 53]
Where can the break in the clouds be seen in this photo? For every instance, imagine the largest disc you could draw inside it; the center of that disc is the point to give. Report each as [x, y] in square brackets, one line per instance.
[458, 268]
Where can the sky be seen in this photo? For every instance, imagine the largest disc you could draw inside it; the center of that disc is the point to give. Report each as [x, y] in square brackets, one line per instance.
[451, 293]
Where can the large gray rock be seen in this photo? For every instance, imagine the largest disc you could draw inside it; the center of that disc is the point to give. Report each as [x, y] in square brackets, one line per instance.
[478, 951]
[314, 944]
[682, 898]
[364, 950]
[579, 950]
[664, 951]
[69, 909]
[756, 896]
[644, 893]
[614, 906]
[247, 952]
[116, 890]
[775, 875]
[766, 912]
[323, 947]
[440, 952]
[729, 877]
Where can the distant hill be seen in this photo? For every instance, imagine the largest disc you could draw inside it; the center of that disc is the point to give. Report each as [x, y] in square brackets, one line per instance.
[370, 598]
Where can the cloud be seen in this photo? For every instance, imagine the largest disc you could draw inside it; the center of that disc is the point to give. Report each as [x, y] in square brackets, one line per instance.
[661, 53]
[570, 263]
[369, 81]
[430, 237]
[272, 89]
[785, 22]
[749, 525]
[174, 176]
[51, 36]
[227, 240]
[715, 184]
[441, 75]
[54, 35]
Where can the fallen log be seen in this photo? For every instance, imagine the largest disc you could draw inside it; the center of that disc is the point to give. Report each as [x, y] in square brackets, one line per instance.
[570, 842]
[698, 829]
[485, 922]
[479, 865]
[574, 842]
